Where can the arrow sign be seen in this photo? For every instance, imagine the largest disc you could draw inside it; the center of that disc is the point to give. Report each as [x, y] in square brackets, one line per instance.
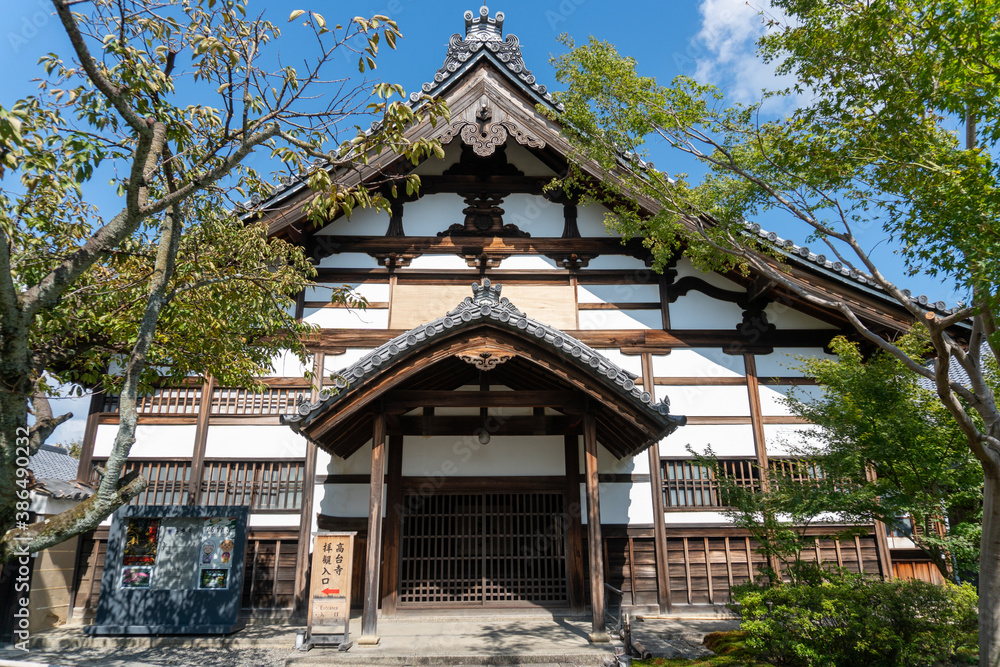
[330, 591]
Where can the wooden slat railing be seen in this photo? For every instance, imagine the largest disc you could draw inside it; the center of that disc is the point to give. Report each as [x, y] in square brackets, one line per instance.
[168, 480]
[263, 485]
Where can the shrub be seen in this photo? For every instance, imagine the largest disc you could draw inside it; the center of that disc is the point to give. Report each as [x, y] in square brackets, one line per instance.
[847, 620]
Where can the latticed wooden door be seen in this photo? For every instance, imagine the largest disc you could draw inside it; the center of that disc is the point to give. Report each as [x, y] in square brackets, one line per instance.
[483, 549]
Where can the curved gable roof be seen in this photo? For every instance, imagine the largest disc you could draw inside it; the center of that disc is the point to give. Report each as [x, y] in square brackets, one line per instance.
[486, 307]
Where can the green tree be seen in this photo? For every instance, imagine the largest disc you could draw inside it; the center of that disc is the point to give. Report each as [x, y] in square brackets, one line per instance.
[875, 416]
[169, 100]
[883, 85]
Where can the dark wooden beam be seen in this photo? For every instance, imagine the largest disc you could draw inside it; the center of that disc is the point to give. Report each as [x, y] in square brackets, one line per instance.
[200, 441]
[393, 524]
[403, 400]
[574, 526]
[595, 544]
[369, 618]
[473, 183]
[659, 526]
[652, 340]
[302, 560]
[467, 425]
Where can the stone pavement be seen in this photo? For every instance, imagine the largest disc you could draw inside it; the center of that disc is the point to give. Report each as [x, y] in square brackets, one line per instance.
[535, 639]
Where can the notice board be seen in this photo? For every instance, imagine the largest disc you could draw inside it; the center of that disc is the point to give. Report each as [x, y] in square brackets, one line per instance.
[330, 585]
[173, 570]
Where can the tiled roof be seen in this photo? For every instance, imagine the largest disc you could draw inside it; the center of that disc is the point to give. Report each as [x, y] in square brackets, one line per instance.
[62, 489]
[51, 462]
[802, 254]
[486, 304]
[484, 38]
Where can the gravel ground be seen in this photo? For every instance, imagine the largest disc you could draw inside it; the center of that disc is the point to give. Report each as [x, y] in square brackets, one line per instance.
[166, 655]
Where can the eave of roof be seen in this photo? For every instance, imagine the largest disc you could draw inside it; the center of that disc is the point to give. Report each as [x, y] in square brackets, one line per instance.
[486, 305]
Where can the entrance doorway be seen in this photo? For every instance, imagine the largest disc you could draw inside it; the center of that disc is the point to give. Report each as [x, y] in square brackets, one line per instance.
[482, 550]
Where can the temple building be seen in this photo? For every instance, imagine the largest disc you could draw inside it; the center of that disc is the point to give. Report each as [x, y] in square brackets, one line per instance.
[510, 422]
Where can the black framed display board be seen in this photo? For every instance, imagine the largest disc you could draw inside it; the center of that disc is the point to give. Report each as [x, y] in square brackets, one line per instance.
[173, 570]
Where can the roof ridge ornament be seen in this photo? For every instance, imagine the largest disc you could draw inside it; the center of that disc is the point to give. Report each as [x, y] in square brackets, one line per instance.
[486, 293]
[483, 27]
[484, 35]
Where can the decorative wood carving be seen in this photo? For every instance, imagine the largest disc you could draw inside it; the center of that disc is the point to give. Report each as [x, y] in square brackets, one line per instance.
[484, 217]
[486, 359]
[393, 260]
[395, 219]
[484, 260]
[484, 135]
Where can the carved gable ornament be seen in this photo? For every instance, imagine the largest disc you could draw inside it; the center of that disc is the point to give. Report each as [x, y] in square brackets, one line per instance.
[486, 133]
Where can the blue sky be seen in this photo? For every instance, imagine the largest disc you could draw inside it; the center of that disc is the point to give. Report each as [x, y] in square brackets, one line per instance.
[712, 40]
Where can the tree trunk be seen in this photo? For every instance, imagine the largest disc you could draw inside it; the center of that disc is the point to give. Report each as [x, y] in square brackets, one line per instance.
[989, 574]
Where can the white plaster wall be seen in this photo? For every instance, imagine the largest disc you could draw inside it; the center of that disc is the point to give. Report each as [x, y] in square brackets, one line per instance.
[346, 500]
[708, 362]
[620, 319]
[685, 269]
[772, 397]
[618, 293]
[274, 520]
[590, 222]
[363, 222]
[621, 502]
[433, 166]
[347, 318]
[151, 440]
[464, 456]
[358, 463]
[534, 214]
[348, 260]
[528, 263]
[784, 317]
[704, 401]
[440, 263]
[259, 442]
[639, 272]
[522, 158]
[783, 361]
[694, 310]
[608, 463]
[371, 291]
[725, 440]
[696, 517]
[432, 214]
[626, 503]
[782, 439]
[334, 363]
[287, 365]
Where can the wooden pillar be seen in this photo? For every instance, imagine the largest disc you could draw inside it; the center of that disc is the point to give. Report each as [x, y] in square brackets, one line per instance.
[574, 525]
[882, 550]
[200, 441]
[369, 619]
[83, 470]
[881, 539]
[656, 482]
[757, 425]
[393, 522]
[594, 542]
[302, 560]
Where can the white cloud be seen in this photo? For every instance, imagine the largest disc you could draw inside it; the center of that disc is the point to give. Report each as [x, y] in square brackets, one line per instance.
[727, 51]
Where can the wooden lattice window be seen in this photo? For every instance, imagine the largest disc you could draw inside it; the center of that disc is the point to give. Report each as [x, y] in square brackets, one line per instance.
[164, 401]
[168, 480]
[688, 484]
[276, 401]
[263, 485]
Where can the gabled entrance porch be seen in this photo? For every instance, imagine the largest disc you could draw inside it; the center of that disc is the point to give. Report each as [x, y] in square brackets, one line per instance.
[506, 528]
